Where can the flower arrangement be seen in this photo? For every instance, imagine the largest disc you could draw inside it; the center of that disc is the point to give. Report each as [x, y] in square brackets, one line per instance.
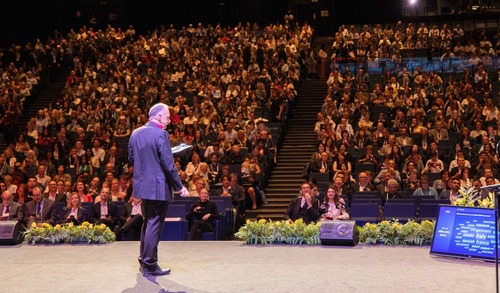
[469, 197]
[269, 232]
[388, 233]
[396, 233]
[69, 233]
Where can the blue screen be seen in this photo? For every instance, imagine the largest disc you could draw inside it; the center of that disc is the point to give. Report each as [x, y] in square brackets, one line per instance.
[465, 232]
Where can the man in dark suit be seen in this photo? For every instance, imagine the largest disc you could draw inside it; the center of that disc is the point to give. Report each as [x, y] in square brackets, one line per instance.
[132, 219]
[304, 207]
[323, 166]
[155, 175]
[105, 212]
[114, 159]
[392, 192]
[53, 194]
[9, 209]
[363, 184]
[39, 209]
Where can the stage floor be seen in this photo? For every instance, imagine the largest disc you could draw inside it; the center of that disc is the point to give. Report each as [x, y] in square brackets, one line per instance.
[231, 266]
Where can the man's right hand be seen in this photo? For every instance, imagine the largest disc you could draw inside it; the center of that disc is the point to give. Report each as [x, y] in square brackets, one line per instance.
[184, 192]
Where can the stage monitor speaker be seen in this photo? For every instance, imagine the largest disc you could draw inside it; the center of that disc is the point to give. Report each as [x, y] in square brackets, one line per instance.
[339, 233]
[10, 233]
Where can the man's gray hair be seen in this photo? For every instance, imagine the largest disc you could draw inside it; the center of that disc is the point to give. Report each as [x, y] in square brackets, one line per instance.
[392, 182]
[157, 109]
[39, 187]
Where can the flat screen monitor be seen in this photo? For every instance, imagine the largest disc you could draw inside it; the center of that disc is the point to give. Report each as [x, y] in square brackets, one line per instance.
[464, 232]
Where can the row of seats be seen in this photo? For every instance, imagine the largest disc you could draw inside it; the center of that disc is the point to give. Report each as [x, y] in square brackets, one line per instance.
[176, 227]
[368, 208]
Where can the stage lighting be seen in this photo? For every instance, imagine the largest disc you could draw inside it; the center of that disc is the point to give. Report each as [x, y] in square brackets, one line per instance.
[413, 2]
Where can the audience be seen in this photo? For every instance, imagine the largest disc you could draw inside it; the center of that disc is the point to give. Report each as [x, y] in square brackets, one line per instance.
[226, 95]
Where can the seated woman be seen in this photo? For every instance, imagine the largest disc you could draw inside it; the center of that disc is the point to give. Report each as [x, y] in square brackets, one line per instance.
[199, 185]
[73, 212]
[202, 215]
[333, 207]
[116, 192]
[412, 181]
[249, 177]
[80, 188]
[369, 157]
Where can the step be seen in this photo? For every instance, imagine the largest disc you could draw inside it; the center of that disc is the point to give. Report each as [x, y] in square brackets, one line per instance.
[272, 217]
[279, 200]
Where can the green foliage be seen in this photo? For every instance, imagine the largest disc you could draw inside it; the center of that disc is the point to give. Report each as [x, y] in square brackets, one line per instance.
[69, 233]
[396, 233]
[269, 232]
[388, 233]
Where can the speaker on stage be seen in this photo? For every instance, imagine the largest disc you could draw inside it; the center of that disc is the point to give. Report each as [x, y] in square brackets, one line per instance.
[10, 233]
[339, 233]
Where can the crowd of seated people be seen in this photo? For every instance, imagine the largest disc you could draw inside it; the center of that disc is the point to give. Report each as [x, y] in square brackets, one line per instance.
[395, 42]
[226, 86]
[24, 70]
[413, 133]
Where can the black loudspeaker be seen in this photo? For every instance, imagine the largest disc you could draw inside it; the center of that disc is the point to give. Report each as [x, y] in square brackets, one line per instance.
[339, 233]
[10, 233]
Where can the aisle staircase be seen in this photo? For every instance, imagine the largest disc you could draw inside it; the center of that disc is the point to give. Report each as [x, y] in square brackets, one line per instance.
[48, 94]
[296, 150]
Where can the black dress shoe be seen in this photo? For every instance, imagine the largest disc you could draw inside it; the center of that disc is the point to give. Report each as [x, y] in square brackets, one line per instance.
[156, 272]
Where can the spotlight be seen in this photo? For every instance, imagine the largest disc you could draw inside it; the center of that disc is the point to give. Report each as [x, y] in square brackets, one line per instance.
[413, 2]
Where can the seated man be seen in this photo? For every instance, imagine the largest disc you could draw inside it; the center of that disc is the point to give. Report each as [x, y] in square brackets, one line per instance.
[452, 193]
[39, 209]
[392, 192]
[230, 187]
[203, 213]
[105, 212]
[132, 219]
[234, 156]
[53, 193]
[304, 207]
[9, 209]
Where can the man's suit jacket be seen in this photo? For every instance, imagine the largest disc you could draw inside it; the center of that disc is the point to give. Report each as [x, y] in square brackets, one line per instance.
[119, 162]
[59, 198]
[434, 133]
[400, 141]
[237, 194]
[112, 212]
[312, 214]
[16, 211]
[317, 165]
[369, 187]
[154, 171]
[46, 216]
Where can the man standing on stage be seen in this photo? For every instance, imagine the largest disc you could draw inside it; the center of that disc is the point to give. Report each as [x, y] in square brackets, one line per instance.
[155, 175]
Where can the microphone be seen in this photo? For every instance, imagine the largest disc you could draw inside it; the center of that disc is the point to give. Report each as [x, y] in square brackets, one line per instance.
[494, 186]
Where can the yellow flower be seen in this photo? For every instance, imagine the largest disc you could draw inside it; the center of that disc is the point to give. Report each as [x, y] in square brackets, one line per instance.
[46, 225]
[70, 224]
[33, 225]
[248, 221]
[85, 224]
[58, 227]
[299, 221]
[91, 226]
[103, 226]
[262, 221]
